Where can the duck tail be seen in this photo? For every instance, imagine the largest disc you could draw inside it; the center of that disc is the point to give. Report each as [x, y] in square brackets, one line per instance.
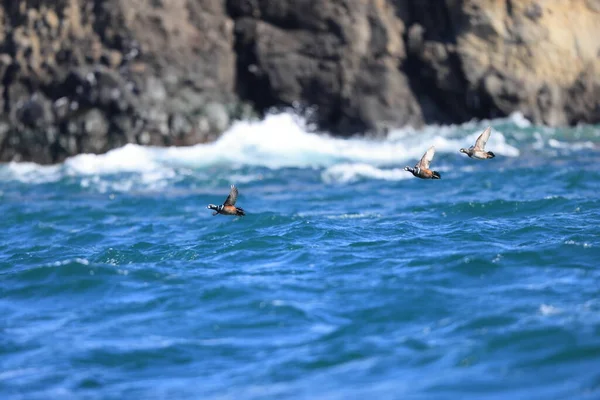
[490, 154]
[240, 212]
[436, 175]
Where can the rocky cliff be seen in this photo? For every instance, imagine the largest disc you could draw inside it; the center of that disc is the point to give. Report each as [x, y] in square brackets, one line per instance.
[88, 76]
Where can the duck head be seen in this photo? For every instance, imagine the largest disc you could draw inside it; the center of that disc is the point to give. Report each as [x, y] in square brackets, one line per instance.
[212, 207]
[464, 151]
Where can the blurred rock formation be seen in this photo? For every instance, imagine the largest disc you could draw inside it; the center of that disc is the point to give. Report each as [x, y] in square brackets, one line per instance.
[87, 76]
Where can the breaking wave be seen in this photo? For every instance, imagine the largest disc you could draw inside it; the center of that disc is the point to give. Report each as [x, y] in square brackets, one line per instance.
[284, 141]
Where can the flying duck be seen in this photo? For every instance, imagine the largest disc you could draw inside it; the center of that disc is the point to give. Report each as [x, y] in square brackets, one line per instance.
[478, 151]
[228, 208]
[421, 170]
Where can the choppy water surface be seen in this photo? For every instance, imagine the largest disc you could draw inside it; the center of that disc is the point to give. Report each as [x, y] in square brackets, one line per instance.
[347, 279]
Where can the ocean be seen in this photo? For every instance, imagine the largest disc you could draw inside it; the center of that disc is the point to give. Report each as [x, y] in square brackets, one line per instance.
[347, 279]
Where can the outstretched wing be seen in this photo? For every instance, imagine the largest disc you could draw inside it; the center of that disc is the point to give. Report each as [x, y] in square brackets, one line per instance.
[233, 193]
[426, 159]
[482, 139]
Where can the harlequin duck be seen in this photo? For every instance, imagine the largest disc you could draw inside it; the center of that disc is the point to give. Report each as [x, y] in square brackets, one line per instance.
[228, 208]
[421, 169]
[478, 151]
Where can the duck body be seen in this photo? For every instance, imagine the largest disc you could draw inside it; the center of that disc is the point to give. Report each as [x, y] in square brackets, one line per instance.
[478, 150]
[228, 207]
[421, 169]
[423, 173]
[478, 154]
[227, 210]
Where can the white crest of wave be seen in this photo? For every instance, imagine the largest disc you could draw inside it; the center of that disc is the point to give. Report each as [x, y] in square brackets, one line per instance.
[346, 173]
[547, 309]
[278, 141]
[129, 158]
[519, 120]
[30, 172]
[282, 140]
[557, 144]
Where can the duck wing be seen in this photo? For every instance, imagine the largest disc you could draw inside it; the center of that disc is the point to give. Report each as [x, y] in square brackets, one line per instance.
[231, 199]
[426, 159]
[482, 139]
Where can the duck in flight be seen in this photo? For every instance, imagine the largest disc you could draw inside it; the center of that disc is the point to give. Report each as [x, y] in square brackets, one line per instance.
[421, 170]
[478, 151]
[228, 208]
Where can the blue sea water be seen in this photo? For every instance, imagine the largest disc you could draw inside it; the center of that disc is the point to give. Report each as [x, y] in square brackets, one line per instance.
[347, 279]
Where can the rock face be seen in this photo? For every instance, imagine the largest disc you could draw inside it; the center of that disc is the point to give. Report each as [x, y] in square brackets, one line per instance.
[82, 76]
[373, 63]
[88, 76]
[343, 56]
[538, 57]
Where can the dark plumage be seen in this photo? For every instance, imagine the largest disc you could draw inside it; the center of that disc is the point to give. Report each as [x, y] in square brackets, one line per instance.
[228, 208]
[421, 169]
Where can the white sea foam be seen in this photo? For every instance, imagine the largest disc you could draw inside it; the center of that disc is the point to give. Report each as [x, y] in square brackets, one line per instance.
[546, 309]
[81, 261]
[280, 141]
[519, 120]
[585, 245]
[346, 173]
[129, 158]
[30, 172]
[557, 144]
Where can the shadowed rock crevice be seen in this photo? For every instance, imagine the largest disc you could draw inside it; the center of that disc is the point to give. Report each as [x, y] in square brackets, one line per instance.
[435, 67]
[287, 59]
[251, 83]
[342, 57]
